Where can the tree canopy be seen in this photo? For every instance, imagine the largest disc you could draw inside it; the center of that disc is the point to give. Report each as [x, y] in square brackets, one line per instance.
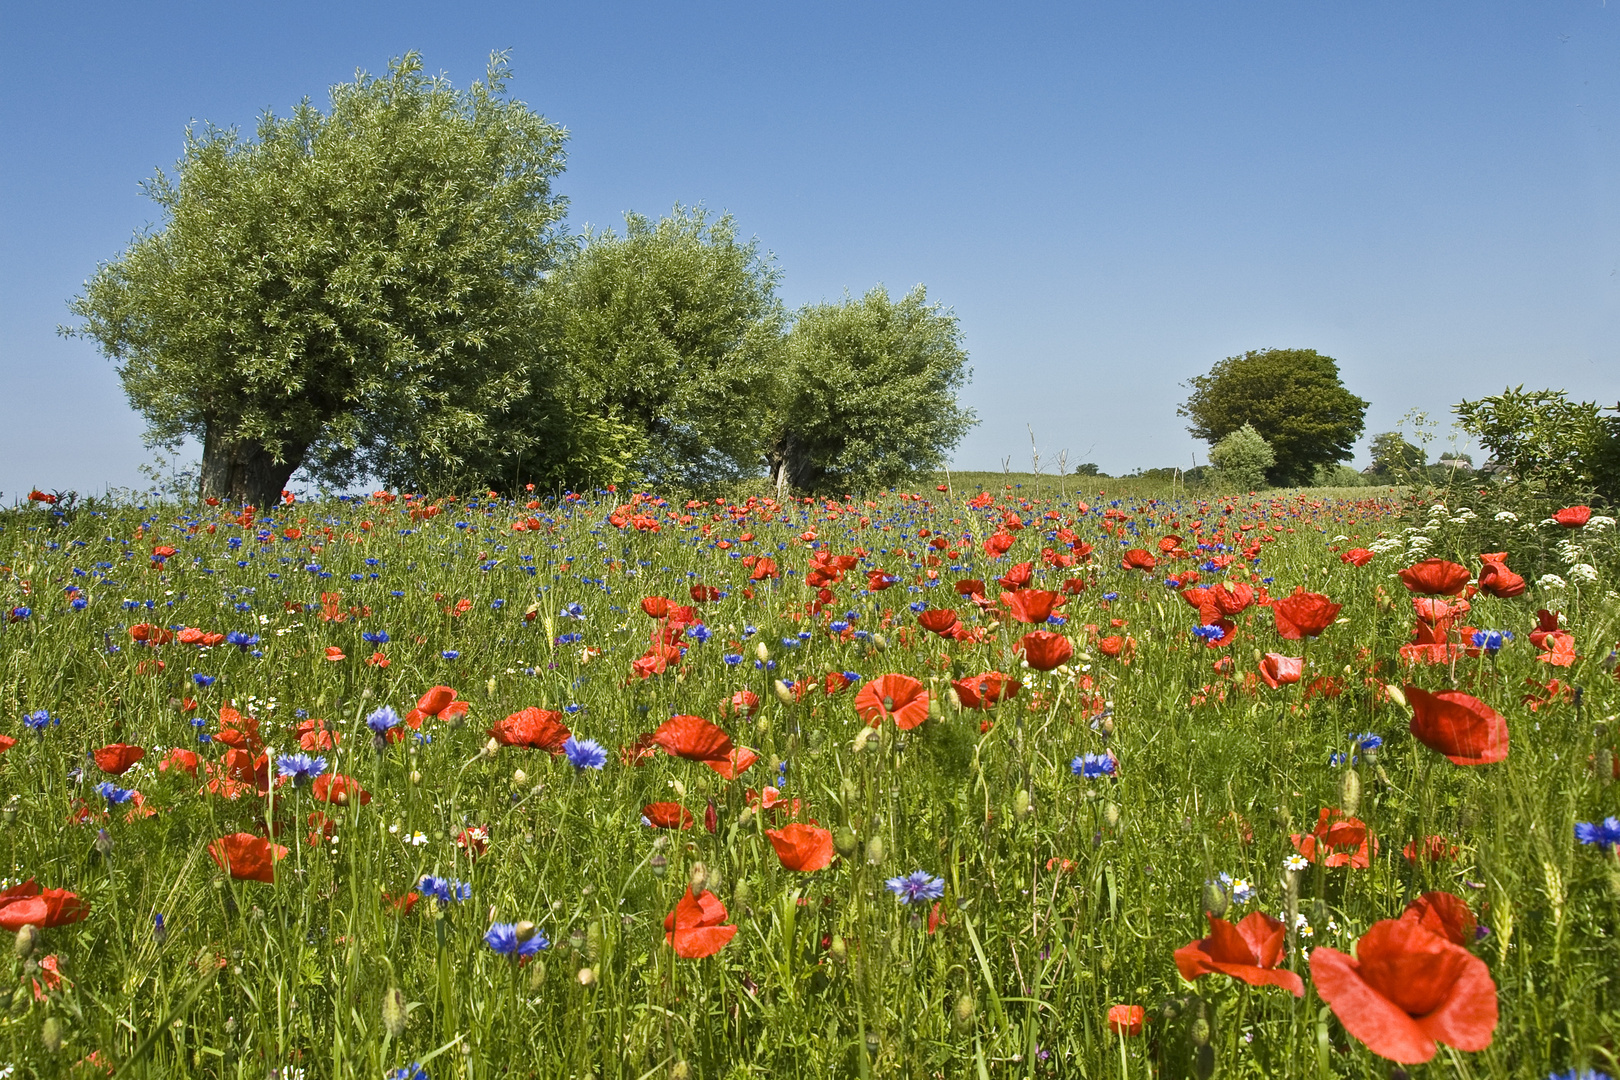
[1292, 397]
[1393, 456]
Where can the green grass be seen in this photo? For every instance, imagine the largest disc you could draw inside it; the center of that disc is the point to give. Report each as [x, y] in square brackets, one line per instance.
[1063, 896]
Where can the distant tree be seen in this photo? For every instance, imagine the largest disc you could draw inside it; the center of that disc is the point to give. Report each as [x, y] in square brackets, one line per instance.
[1547, 443]
[865, 393]
[1242, 459]
[1293, 398]
[1393, 457]
[353, 291]
[1339, 476]
[1087, 469]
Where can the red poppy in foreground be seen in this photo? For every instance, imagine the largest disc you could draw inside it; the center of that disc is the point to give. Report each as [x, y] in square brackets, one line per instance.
[26, 905]
[1044, 650]
[180, 759]
[667, 815]
[734, 764]
[1407, 989]
[1304, 614]
[802, 847]
[693, 738]
[541, 729]
[1031, 605]
[899, 696]
[1458, 725]
[1436, 577]
[694, 929]
[247, 857]
[1126, 1019]
[939, 620]
[1445, 914]
[1343, 840]
[1277, 669]
[340, 789]
[982, 691]
[1573, 517]
[1495, 579]
[438, 702]
[117, 758]
[1249, 951]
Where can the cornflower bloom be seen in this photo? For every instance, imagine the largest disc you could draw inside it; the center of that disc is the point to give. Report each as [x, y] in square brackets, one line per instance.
[41, 719]
[1491, 640]
[1094, 765]
[916, 887]
[444, 890]
[584, 754]
[413, 1071]
[113, 793]
[300, 767]
[382, 720]
[1605, 834]
[505, 939]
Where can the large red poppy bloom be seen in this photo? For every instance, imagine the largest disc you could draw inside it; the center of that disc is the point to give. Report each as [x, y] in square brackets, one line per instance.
[667, 815]
[1126, 1019]
[693, 738]
[939, 620]
[1445, 914]
[339, 789]
[1458, 725]
[26, 905]
[1250, 951]
[802, 847]
[1337, 839]
[1031, 605]
[899, 696]
[247, 857]
[1045, 650]
[694, 929]
[1138, 559]
[1497, 580]
[1277, 669]
[1357, 556]
[117, 758]
[541, 729]
[1303, 614]
[734, 764]
[1407, 989]
[982, 691]
[438, 702]
[1573, 517]
[180, 759]
[1436, 577]
[1231, 597]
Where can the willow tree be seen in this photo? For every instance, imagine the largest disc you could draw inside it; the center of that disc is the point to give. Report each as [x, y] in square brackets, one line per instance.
[354, 291]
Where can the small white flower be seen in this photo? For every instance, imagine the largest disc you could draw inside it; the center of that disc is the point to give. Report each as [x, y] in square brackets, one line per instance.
[1583, 573]
[1599, 522]
[417, 839]
[1296, 862]
[1506, 515]
[1552, 581]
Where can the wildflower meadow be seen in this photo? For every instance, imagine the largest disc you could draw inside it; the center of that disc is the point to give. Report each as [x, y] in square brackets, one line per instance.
[983, 781]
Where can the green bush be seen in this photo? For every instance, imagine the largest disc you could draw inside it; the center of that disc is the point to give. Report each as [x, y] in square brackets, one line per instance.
[1242, 458]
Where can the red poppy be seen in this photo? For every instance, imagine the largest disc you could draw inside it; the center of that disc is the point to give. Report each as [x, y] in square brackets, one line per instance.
[1546, 623]
[1249, 951]
[1126, 1019]
[667, 815]
[735, 763]
[939, 620]
[26, 905]
[899, 696]
[655, 606]
[339, 789]
[1458, 725]
[1018, 577]
[239, 731]
[334, 653]
[402, 904]
[1445, 914]
[693, 738]
[244, 768]
[1044, 650]
[970, 587]
[1138, 559]
[1231, 597]
[1573, 517]
[1303, 614]
[1357, 557]
[639, 750]
[1558, 649]
[744, 703]
[314, 734]
[438, 702]
[1228, 630]
[474, 840]
[702, 594]
[6, 743]
[1277, 669]
[694, 927]
[1031, 605]
[116, 759]
[802, 847]
[1342, 839]
[541, 729]
[1112, 645]
[1436, 577]
[178, 758]
[982, 691]
[1497, 580]
[763, 568]
[1433, 849]
[247, 857]
[1407, 989]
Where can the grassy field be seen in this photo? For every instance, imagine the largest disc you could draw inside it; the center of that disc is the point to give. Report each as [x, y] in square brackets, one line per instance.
[441, 886]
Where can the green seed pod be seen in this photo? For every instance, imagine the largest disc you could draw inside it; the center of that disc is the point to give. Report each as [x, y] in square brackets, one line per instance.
[742, 894]
[1111, 815]
[698, 879]
[962, 1014]
[1200, 1030]
[1215, 899]
[51, 1034]
[1350, 792]
[847, 790]
[874, 851]
[394, 1012]
[658, 865]
[1021, 804]
[845, 842]
[27, 941]
[537, 974]
[839, 950]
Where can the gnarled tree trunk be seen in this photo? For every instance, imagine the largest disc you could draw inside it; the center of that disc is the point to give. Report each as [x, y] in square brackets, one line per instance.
[236, 471]
[790, 464]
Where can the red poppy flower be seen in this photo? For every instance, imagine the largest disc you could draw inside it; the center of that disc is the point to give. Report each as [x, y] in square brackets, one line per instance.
[247, 857]
[239, 731]
[178, 758]
[339, 789]
[115, 760]
[694, 929]
[802, 847]
[334, 653]
[970, 587]
[939, 620]
[401, 904]
[744, 703]
[1031, 605]
[1558, 649]
[763, 568]
[667, 815]
[655, 606]
[1343, 840]
[1497, 580]
[438, 702]
[693, 738]
[1231, 597]
[1436, 577]
[1407, 989]
[1445, 914]
[1126, 1019]
[899, 696]
[1112, 645]
[1138, 559]
[541, 729]
[243, 768]
[26, 905]
[314, 735]
[982, 691]
[1303, 614]
[1433, 849]
[1573, 517]
[1044, 650]
[1249, 951]
[1458, 725]
[1228, 630]
[474, 840]
[702, 594]
[735, 763]
[1018, 577]
[1357, 557]
[1277, 669]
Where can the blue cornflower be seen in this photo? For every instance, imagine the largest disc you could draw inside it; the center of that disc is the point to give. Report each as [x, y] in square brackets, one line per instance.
[375, 637]
[699, 633]
[113, 793]
[573, 611]
[241, 639]
[503, 938]
[1578, 1074]
[838, 626]
[450, 654]
[1110, 596]
[40, 719]
[851, 676]
[382, 720]
[916, 887]
[413, 1071]
[444, 890]
[584, 754]
[300, 767]
[20, 613]
[203, 680]
[732, 659]
[1367, 741]
[1492, 640]
[919, 607]
[79, 603]
[1208, 633]
[569, 639]
[1093, 765]
[1605, 834]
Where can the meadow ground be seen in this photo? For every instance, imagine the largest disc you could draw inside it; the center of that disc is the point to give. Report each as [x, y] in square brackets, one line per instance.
[959, 783]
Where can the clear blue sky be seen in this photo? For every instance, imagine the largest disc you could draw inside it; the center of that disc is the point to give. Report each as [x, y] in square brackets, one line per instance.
[1112, 197]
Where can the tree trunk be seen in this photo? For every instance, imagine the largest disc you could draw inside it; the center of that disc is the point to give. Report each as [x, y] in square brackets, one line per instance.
[790, 465]
[237, 471]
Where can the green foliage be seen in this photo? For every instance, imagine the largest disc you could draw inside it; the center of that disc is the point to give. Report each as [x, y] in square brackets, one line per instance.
[353, 291]
[1393, 458]
[1242, 459]
[1340, 476]
[1292, 397]
[1542, 440]
[1088, 468]
[865, 393]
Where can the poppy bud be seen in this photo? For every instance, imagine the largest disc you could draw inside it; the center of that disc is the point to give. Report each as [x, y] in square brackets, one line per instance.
[519, 778]
[874, 851]
[962, 1014]
[678, 788]
[838, 949]
[1111, 815]
[1021, 804]
[1350, 792]
[20, 1000]
[394, 1012]
[953, 697]
[698, 880]
[51, 1034]
[27, 941]
[847, 790]
[103, 843]
[586, 976]
[491, 748]
[489, 687]
[1106, 726]
[416, 777]
[1215, 899]
[783, 694]
[1200, 1031]
[524, 930]
[658, 865]
[680, 1071]
[745, 820]
[1396, 694]
[762, 652]
[741, 894]
[862, 737]
[593, 941]
[762, 725]
[845, 841]
[537, 974]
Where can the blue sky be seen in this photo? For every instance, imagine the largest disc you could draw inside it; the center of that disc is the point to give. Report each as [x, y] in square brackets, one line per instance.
[1112, 197]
